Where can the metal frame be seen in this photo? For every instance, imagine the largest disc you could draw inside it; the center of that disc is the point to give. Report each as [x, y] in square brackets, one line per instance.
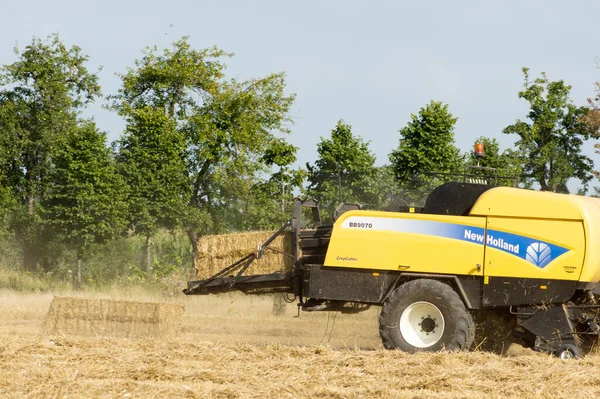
[469, 172]
[484, 169]
[224, 280]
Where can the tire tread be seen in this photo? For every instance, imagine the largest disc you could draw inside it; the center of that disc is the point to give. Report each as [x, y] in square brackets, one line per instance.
[464, 334]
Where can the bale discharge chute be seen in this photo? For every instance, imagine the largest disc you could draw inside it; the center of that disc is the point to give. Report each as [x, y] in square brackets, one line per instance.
[276, 256]
[471, 248]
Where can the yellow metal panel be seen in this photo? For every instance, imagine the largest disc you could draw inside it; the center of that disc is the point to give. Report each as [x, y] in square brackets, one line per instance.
[552, 249]
[407, 242]
[591, 221]
[519, 203]
[516, 202]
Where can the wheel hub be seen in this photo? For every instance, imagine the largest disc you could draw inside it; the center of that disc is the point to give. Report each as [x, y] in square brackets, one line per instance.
[427, 324]
[422, 324]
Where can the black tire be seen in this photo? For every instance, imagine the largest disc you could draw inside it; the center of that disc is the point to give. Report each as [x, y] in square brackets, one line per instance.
[568, 352]
[457, 326]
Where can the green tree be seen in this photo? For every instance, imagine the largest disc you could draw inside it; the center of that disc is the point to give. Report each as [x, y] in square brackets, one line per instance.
[151, 159]
[343, 170]
[387, 193]
[228, 139]
[270, 202]
[592, 122]
[41, 95]
[550, 143]
[228, 126]
[426, 146]
[7, 196]
[85, 203]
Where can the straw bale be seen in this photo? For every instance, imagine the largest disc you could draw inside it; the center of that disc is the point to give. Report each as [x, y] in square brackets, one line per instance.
[107, 317]
[216, 252]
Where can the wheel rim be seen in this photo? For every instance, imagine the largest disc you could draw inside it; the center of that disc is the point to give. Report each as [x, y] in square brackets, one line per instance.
[422, 324]
[567, 355]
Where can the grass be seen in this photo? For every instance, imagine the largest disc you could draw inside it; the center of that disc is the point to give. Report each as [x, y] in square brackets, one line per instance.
[19, 281]
[106, 267]
[27, 282]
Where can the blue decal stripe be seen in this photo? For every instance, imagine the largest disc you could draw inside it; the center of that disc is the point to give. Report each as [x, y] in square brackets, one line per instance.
[539, 253]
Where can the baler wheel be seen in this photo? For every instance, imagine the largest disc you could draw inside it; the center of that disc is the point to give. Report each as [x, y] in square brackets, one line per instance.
[568, 352]
[425, 315]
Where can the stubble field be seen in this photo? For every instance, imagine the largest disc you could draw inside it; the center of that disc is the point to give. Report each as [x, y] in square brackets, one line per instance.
[233, 346]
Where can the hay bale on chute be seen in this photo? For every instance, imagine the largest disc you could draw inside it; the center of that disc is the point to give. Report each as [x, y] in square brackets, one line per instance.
[113, 318]
[216, 252]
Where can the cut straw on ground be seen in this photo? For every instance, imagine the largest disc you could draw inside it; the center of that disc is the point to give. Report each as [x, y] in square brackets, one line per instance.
[231, 346]
[115, 368]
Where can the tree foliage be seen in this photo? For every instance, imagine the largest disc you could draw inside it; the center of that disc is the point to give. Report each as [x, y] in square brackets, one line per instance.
[387, 193]
[592, 122]
[227, 125]
[85, 203]
[343, 171]
[151, 160]
[41, 95]
[176, 81]
[228, 138]
[270, 201]
[426, 146]
[550, 143]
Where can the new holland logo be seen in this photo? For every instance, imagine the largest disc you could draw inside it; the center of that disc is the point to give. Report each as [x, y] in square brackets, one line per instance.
[539, 254]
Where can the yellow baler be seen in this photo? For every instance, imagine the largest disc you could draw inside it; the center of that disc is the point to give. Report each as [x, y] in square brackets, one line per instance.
[533, 255]
[526, 246]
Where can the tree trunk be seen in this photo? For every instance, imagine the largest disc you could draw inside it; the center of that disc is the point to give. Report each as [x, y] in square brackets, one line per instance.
[282, 196]
[147, 257]
[30, 249]
[79, 275]
[193, 236]
[31, 204]
[30, 258]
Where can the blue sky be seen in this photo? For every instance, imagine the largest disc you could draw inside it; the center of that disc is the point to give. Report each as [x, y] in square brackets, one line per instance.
[369, 63]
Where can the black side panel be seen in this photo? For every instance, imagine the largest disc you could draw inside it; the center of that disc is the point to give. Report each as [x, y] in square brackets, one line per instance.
[342, 284]
[324, 231]
[551, 323]
[313, 244]
[507, 291]
[373, 286]
[470, 290]
[454, 198]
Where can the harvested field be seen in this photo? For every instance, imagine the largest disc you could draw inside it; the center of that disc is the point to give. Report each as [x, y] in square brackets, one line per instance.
[109, 368]
[218, 251]
[232, 346]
